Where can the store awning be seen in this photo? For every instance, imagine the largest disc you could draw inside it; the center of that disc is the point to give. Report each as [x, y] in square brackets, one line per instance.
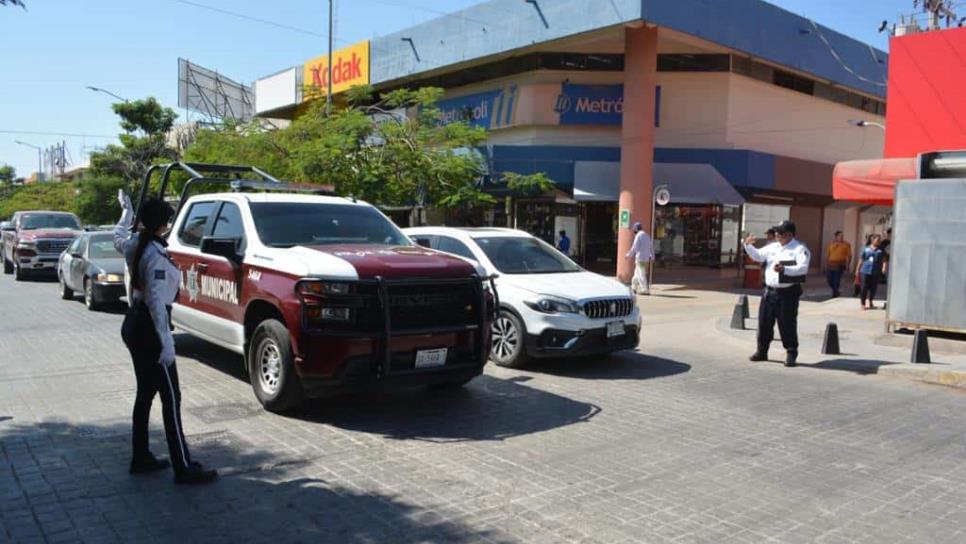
[688, 183]
[871, 181]
[696, 184]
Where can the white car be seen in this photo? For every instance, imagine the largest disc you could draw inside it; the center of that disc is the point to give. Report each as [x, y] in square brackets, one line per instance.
[549, 306]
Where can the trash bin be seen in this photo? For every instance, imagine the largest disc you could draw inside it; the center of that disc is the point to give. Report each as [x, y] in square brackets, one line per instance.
[753, 278]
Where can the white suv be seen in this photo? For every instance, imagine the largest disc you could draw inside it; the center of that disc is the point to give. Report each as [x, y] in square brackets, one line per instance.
[549, 306]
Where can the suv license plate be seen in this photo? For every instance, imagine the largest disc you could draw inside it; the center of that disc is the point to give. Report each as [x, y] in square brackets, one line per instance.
[615, 328]
[428, 358]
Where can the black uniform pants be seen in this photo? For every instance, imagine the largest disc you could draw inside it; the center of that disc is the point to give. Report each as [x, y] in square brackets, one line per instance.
[779, 305]
[142, 341]
[870, 284]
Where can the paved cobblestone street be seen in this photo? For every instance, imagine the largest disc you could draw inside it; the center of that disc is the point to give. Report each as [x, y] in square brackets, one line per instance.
[685, 441]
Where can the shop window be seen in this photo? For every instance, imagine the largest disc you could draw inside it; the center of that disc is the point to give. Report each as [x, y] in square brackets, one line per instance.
[794, 82]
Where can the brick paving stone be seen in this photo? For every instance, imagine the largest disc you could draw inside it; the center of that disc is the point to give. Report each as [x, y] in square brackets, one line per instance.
[686, 442]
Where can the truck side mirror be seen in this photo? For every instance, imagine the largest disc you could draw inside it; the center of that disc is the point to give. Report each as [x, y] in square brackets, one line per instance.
[223, 247]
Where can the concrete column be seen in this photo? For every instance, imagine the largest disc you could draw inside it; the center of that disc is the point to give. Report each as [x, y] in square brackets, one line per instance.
[637, 138]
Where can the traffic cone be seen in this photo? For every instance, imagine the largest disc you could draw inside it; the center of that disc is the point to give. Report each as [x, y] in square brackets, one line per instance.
[738, 318]
[920, 347]
[745, 312]
[830, 344]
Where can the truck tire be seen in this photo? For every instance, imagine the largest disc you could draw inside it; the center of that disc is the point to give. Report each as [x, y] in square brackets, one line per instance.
[507, 338]
[19, 274]
[66, 293]
[271, 366]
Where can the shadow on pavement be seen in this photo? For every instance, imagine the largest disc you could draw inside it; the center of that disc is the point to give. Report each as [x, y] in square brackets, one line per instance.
[858, 366]
[618, 366]
[260, 496]
[487, 408]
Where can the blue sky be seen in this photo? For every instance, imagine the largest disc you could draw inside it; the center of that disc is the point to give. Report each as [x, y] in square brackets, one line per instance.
[56, 48]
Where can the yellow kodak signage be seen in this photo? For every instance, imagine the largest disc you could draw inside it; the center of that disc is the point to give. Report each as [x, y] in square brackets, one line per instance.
[350, 67]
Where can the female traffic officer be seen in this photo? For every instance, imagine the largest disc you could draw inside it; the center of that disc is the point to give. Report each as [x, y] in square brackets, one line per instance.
[147, 334]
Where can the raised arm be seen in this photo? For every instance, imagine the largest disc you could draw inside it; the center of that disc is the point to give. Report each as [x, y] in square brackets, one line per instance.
[753, 252]
[122, 230]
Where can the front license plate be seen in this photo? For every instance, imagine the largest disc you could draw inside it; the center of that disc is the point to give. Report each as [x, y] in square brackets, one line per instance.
[615, 328]
[430, 357]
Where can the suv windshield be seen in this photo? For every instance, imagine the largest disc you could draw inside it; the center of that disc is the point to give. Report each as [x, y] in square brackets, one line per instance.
[49, 221]
[518, 255]
[287, 224]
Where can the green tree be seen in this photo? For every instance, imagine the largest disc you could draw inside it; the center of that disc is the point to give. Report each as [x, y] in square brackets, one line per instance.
[369, 149]
[146, 123]
[96, 200]
[7, 174]
[38, 196]
[13, 3]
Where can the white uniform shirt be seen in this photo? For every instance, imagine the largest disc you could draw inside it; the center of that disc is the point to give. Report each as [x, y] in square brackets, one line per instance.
[641, 248]
[159, 276]
[775, 252]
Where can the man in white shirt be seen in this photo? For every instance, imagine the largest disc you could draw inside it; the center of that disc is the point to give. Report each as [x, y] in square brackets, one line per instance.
[642, 252]
[786, 265]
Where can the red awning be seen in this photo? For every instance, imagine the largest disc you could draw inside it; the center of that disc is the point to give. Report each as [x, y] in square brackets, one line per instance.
[871, 181]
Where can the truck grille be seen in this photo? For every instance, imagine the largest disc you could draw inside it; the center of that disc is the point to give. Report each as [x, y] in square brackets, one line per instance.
[53, 246]
[614, 307]
[432, 305]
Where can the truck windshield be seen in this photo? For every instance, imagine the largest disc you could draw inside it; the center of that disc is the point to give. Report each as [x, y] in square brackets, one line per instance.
[519, 255]
[49, 221]
[287, 224]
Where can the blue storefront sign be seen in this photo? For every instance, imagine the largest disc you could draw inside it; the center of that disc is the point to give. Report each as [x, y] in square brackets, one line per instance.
[489, 109]
[595, 104]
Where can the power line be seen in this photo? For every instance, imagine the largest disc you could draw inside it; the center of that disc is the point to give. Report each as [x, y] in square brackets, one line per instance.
[68, 134]
[251, 18]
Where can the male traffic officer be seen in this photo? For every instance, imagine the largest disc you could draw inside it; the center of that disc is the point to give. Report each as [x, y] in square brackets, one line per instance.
[786, 264]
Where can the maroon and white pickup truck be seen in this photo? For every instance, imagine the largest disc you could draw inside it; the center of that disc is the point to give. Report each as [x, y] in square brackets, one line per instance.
[35, 241]
[322, 293]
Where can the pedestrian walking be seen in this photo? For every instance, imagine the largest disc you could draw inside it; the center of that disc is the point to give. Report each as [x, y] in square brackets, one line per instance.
[563, 244]
[838, 258]
[787, 262]
[870, 269]
[642, 252]
[146, 332]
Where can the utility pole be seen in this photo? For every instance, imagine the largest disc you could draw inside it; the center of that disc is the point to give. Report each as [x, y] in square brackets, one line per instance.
[328, 94]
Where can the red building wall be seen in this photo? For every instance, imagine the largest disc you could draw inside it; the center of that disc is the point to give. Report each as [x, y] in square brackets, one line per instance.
[927, 93]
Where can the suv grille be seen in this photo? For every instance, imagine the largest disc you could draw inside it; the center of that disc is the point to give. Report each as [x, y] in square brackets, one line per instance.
[53, 246]
[614, 307]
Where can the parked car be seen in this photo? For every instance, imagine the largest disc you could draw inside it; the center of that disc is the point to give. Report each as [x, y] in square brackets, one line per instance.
[36, 240]
[549, 306]
[322, 294]
[92, 266]
[4, 227]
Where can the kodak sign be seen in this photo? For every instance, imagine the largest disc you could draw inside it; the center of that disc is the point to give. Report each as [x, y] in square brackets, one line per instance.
[350, 67]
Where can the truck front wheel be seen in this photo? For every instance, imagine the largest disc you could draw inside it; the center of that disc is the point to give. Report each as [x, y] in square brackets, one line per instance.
[271, 365]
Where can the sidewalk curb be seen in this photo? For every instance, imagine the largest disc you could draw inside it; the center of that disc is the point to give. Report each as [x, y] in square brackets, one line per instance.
[927, 373]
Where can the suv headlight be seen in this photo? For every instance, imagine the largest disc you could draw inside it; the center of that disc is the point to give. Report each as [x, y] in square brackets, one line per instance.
[549, 304]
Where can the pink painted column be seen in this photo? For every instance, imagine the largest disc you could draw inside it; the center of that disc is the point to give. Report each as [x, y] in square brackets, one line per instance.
[637, 139]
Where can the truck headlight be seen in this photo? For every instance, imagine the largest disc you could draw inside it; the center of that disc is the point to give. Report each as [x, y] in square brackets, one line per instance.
[548, 304]
[27, 244]
[323, 288]
[327, 313]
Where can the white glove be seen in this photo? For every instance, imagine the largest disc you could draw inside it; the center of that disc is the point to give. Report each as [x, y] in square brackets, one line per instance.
[124, 200]
[167, 357]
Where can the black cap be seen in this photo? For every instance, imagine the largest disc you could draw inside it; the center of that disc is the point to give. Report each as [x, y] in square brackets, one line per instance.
[785, 226]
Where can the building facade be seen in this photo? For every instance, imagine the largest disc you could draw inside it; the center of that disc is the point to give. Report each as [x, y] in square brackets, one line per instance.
[739, 109]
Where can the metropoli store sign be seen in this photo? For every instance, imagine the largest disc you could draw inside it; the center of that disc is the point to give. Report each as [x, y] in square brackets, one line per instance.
[350, 67]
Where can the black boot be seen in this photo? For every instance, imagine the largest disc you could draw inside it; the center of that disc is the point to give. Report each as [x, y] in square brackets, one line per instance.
[790, 358]
[148, 464]
[195, 474]
[758, 356]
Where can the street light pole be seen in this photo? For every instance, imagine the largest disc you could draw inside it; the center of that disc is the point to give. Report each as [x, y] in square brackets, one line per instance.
[328, 93]
[40, 167]
[105, 91]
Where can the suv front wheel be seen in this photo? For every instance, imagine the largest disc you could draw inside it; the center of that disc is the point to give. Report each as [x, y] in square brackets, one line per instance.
[506, 340]
[271, 366]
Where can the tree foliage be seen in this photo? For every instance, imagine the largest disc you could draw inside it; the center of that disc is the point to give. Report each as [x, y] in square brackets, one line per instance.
[37, 196]
[13, 3]
[146, 123]
[390, 151]
[7, 174]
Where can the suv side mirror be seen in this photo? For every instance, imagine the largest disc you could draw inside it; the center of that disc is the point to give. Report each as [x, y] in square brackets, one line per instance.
[223, 247]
